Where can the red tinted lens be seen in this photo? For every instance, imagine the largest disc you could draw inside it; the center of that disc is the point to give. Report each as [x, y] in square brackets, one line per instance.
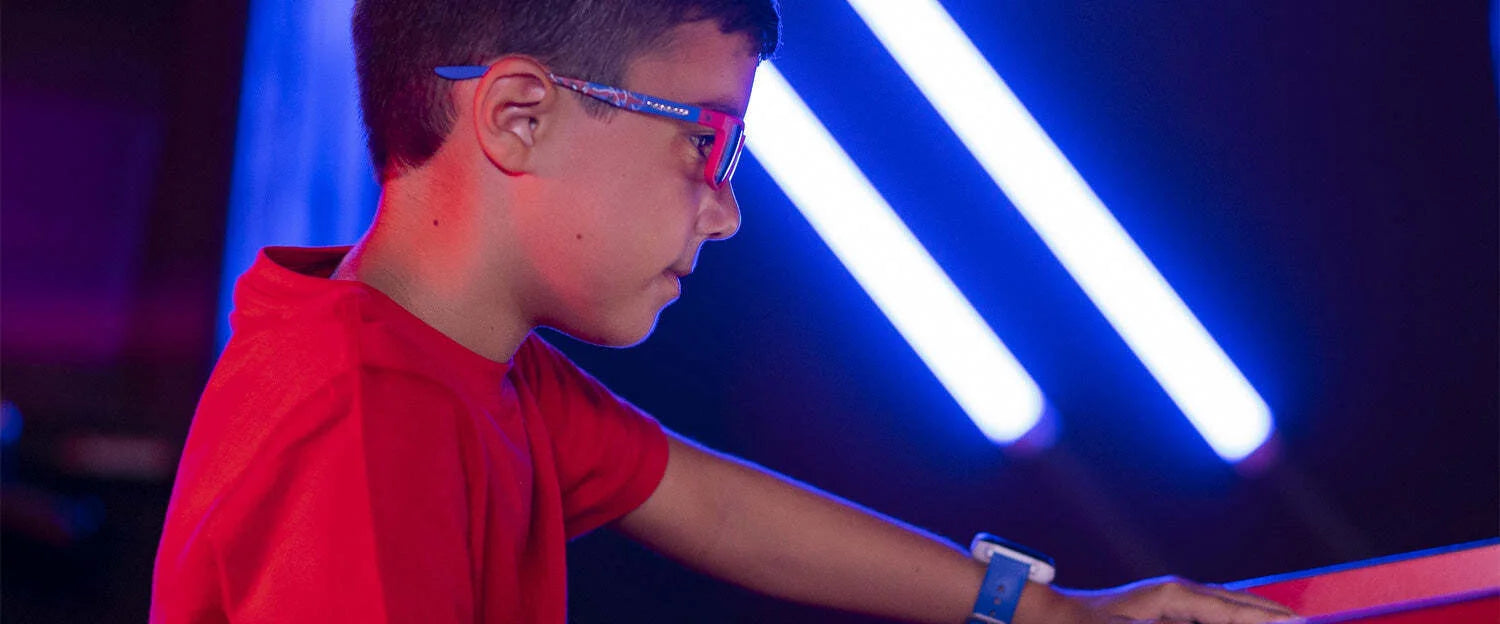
[729, 158]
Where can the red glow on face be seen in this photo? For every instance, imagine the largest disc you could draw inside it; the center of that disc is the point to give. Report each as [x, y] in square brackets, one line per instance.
[622, 204]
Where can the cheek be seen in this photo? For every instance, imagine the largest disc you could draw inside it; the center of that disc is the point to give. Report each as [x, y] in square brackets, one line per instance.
[620, 201]
[636, 155]
[632, 191]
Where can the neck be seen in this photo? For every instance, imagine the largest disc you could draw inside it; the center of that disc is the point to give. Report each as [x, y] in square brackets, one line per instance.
[432, 250]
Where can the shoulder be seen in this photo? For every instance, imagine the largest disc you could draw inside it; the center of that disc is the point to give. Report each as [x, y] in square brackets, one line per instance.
[286, 400]
[538, 363]
[536, 351]
[559, 385]
[339, 346]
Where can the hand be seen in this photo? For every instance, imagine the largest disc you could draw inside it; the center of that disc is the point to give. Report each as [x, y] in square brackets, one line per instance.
[1165, 599]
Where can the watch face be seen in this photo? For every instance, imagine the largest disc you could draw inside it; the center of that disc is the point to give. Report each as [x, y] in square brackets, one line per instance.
[1012, 546]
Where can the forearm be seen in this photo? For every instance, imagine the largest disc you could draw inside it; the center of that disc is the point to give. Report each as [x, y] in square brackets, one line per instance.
[788, 540]
[751, 527]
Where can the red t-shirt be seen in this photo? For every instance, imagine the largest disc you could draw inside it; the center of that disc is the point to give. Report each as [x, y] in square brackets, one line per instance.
[349, 463]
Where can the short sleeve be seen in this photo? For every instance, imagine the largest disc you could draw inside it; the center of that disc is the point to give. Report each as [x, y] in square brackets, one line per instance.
[360, 515]
[610, 455]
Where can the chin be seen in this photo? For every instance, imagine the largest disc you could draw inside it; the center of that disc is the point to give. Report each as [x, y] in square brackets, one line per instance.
[613, 335]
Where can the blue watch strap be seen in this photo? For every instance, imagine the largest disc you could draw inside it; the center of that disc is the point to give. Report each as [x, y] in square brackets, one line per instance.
[1001, 591]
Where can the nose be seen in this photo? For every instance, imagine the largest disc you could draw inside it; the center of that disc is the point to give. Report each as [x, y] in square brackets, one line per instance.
[720, 219]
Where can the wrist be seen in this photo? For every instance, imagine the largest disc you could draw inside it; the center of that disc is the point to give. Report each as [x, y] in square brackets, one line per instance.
[1013, 571]
[1044, 604]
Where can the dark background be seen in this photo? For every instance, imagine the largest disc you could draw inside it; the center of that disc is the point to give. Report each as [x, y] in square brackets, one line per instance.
[1317, 180]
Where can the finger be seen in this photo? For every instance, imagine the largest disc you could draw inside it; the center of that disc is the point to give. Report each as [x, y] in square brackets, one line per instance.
[1245, 597]
[1242, 598]
[1208, 608]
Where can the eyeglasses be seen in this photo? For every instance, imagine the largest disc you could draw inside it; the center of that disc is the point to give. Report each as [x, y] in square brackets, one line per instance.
[729, 131]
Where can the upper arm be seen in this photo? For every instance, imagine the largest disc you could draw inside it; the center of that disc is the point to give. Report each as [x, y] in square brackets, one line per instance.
[609, 455]
[684, 516]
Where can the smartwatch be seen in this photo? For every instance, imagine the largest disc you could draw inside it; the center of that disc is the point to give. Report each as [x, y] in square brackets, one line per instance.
[1011, 565]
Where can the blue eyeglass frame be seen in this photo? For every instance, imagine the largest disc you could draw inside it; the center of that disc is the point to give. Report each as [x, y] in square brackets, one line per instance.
[729, 130]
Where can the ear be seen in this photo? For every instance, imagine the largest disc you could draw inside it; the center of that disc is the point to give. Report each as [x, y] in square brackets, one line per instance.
[513, 103]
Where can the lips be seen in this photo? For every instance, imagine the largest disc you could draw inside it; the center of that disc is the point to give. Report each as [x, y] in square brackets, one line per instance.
[677, 273]
[676, 280]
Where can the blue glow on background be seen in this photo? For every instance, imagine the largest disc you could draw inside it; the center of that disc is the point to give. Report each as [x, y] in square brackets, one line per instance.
[302, 175]
[888, 262]
[1073, 222]
[1495, 43]
[11, 423]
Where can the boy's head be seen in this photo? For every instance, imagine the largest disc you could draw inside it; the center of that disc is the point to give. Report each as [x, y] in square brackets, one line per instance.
[406, 108]
[584, 215]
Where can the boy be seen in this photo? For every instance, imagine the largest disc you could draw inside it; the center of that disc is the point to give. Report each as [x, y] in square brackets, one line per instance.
[385, 439]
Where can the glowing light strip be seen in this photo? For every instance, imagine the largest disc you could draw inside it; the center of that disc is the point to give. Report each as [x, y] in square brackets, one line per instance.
[873, 243]
[1019, 156]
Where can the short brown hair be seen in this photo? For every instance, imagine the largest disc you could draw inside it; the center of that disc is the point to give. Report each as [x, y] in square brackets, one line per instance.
[405, 107]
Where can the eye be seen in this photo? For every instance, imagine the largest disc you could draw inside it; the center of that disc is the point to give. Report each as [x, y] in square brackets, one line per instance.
[704, 142]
